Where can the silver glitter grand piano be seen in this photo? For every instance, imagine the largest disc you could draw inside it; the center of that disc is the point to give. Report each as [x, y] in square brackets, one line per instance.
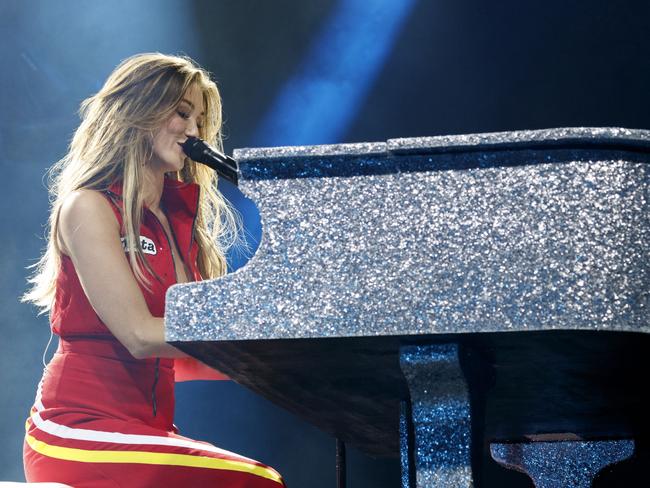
[454, 301]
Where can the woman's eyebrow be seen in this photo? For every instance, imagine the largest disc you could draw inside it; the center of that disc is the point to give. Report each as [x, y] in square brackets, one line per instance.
[191, 105]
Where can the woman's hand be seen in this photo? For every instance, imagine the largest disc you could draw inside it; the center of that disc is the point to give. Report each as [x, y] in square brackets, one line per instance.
[89, 233]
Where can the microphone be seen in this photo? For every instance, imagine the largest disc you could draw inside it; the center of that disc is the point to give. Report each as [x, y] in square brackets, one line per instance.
[201, 152]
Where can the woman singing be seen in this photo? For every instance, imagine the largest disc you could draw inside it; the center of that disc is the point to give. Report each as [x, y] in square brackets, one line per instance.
[131, 216]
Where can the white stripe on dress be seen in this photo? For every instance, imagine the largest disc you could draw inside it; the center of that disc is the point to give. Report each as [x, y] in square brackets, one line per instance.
[66, 432]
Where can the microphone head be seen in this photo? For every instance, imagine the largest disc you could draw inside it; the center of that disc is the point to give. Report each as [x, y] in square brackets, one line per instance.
[201, 152]
[194, 148]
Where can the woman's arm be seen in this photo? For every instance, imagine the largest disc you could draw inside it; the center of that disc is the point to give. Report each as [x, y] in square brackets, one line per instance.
[89, 233]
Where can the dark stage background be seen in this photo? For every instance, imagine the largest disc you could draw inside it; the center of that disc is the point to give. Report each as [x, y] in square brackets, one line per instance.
[294, 72]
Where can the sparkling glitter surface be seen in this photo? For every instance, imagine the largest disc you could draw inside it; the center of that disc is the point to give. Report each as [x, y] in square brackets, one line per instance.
[525, 138]
[494, 232]
[562, 464]
[440, 413]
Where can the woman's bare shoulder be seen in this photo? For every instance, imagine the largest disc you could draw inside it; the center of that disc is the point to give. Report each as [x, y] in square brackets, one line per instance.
[85, 204]
[85, 214]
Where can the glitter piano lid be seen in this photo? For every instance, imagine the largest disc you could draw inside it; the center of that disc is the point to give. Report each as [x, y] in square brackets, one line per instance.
[359, 159]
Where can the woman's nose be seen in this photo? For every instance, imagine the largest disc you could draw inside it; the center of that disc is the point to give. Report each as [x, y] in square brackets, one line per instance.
[192, 129]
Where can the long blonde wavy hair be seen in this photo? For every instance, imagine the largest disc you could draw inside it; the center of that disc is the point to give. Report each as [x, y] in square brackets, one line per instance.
[113, 141]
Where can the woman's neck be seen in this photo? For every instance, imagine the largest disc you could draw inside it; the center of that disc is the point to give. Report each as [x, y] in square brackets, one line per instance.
[154, 182]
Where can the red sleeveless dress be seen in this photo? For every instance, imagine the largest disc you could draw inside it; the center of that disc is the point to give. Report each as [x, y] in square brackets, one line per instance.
[102, 418]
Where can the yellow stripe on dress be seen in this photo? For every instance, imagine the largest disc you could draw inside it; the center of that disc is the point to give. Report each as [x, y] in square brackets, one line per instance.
[145, 457]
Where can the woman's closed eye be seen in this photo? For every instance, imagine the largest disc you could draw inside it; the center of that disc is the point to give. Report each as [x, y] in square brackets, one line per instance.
[185, 115]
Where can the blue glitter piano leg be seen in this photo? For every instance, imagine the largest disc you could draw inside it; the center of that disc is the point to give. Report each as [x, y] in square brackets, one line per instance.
[565, 464]
[405, 444]
[440, 415]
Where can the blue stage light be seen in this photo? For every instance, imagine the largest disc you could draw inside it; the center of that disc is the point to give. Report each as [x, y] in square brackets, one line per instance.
[319, 102]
